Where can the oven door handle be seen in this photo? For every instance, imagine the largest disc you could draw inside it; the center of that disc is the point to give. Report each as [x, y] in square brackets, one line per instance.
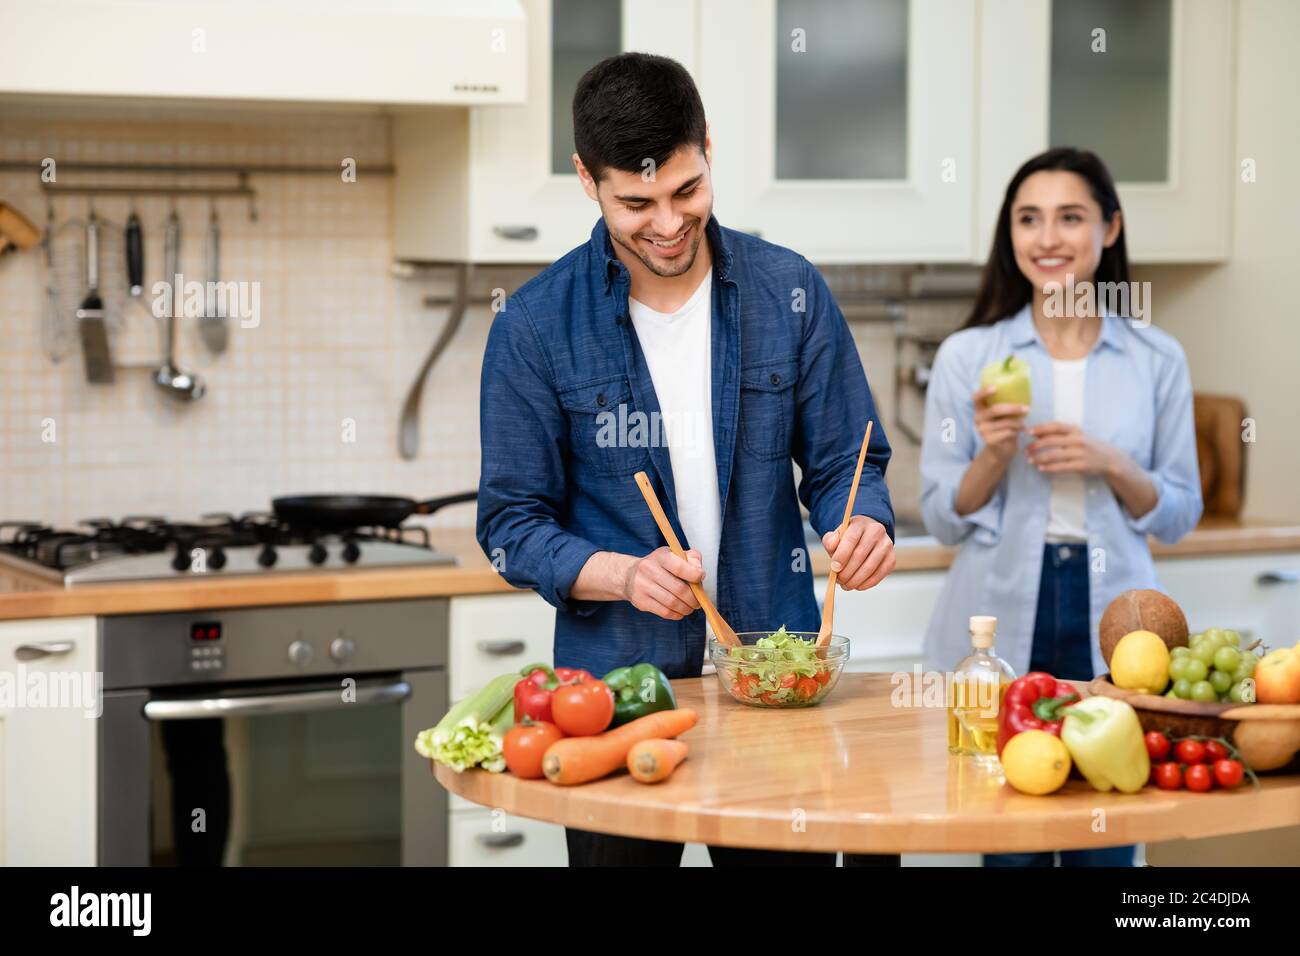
[294, 703]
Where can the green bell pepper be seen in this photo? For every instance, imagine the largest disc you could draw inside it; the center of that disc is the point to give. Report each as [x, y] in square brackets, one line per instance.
[1104, 738]
[639, 690]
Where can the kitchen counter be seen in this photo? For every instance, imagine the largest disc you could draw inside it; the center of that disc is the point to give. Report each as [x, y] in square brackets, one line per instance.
[860, 775]
[23, 596]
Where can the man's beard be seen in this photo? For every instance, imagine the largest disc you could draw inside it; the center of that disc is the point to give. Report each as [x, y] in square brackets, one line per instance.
[687, 260]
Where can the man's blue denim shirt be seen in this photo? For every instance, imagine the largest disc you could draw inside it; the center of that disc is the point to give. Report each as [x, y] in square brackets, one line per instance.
[788, 385]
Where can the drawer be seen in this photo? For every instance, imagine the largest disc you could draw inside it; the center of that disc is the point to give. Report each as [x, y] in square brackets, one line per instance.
[487, 838]
[493, 634]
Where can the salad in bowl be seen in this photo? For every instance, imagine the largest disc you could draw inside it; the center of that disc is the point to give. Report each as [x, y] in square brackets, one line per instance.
[779, 668]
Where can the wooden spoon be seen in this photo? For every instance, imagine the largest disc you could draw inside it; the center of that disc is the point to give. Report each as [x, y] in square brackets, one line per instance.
[721, 629]
[828, 609]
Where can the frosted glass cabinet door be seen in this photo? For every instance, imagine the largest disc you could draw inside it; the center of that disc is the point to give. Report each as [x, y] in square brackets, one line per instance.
[844, 128]
[526, 204]
[1148, 86]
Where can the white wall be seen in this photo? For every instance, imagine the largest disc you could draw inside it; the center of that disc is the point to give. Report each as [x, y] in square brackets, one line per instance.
[1239, 322]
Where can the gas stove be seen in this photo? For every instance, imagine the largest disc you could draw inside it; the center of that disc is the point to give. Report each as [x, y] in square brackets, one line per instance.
[141, 548]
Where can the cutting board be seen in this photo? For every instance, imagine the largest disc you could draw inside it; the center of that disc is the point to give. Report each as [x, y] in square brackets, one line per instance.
[1221, 453]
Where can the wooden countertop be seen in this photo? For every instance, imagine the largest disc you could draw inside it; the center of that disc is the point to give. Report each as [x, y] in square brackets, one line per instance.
[859, 775]
[23, 596]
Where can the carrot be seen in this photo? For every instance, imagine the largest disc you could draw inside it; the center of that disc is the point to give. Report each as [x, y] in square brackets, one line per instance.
[582, 759]
[651, 761]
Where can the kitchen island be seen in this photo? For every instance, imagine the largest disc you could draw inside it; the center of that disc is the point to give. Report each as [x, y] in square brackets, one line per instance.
[858, 774]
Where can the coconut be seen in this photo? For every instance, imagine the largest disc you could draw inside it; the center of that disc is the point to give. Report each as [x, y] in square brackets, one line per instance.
[1142, 610]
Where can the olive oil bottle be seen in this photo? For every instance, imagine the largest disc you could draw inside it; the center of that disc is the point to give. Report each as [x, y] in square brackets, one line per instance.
[975, 695]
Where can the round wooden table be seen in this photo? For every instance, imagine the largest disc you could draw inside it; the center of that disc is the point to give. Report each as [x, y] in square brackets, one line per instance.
[858, 774]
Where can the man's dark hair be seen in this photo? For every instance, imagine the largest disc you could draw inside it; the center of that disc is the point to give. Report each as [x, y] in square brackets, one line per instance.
[633, 107]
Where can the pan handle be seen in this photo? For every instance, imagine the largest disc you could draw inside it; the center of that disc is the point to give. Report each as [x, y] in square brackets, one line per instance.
[433, 504]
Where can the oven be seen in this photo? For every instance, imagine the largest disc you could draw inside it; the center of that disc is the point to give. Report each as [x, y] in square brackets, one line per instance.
[278, 736]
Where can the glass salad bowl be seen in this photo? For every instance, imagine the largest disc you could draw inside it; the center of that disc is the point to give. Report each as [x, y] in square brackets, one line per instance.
[779, 668]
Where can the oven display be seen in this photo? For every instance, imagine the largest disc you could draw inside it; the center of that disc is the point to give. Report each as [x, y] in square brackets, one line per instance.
[205, 631]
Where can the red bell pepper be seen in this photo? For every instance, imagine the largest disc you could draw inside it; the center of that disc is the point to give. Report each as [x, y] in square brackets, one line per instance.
[1033, 702]
[533, 692]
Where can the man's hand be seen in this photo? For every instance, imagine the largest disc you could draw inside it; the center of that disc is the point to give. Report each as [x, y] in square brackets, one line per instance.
[862, 556]
[658, 584]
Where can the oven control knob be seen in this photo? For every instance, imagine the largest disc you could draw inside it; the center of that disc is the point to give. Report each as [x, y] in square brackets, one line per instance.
[181, 560]
[351, 552]
[342, 649]
[300, 653]
[317, 554]
[217, 559]
[267, 556]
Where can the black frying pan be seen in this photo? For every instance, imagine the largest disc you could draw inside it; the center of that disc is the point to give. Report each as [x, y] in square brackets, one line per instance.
[340, 512]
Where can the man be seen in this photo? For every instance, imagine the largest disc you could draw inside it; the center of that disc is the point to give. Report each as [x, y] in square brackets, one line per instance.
[708, 359]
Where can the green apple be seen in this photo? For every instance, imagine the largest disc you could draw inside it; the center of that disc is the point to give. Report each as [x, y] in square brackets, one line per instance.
[1010, 379]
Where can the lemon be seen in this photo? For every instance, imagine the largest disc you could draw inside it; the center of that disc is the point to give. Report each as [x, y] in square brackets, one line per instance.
[1035, 762]
[1140, 662]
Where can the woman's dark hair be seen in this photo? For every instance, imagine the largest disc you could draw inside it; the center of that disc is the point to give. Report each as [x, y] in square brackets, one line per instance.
[1004, 290]
[633, 107]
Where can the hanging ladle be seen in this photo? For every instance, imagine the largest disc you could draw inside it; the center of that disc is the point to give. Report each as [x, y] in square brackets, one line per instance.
[177, 382]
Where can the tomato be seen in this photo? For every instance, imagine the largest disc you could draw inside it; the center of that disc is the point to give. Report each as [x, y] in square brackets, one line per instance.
[1199, 778]
[806, 688]
[823, 676]
[789, 680]
[524, 746]
[1215, 751]
[1157, 745]
[770, 698]
[746, 684]
[1228, 773]
[581, 710]
[1190, 751]
[1169, 776]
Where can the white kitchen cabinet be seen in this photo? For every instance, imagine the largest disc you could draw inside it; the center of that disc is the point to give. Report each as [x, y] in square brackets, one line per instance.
[518, 198]
[338, 51]
[886, 625]
[846, 132]
[495, 633]
[1156, 104]
[1257, 595]
[48, 745]
[488, 837]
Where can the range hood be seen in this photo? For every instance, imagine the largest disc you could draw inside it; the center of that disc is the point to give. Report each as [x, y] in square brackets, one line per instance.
[451, 52]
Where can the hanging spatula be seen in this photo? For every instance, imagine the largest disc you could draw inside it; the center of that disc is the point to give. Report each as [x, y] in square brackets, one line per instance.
[90, 316]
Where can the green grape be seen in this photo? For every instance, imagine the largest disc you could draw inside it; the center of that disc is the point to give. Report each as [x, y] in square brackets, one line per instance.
[1170, 693]
[1203, 690]
[1233, 638]
[1178, 667]
[1215, 640]
[1235, 694]
[1227, 658]
[1204, 652]
[1180, 652]
[1213, 634]
[1221, 681]
[1195, 669]
[1246, 667]
[1183, 689]
[1194, 639]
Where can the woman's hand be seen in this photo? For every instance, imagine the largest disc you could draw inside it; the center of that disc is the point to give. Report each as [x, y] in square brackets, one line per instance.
[999, 425]
[862, 556]
[1059, 448]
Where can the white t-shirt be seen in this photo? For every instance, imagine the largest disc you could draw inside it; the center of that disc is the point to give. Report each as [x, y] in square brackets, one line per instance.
[678, 350]
[1067, 518]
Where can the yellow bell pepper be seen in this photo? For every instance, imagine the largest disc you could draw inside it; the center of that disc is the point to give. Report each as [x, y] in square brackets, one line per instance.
[1104, 738]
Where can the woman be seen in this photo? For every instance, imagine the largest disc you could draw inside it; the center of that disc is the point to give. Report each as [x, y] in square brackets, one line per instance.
[1052, 502]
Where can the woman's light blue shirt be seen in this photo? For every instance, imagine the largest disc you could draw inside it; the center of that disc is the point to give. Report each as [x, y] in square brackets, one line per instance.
[1137, 397]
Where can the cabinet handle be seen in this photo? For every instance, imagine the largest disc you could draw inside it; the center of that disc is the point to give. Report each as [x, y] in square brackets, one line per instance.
[499, 841]
[34, 652]
[502, 648]
[1277, 577]
[519, 233]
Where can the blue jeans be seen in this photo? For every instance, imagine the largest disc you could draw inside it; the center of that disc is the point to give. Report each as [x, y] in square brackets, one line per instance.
[1063, 648]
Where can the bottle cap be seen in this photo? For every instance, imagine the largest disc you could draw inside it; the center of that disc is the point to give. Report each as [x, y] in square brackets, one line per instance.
[982, 629]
